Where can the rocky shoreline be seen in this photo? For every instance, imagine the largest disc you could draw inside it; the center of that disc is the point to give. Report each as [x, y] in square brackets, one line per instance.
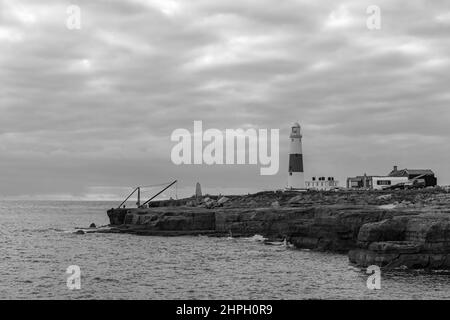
[396, 229]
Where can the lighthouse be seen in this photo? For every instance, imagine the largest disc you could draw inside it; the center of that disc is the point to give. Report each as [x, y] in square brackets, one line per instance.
[296, 178]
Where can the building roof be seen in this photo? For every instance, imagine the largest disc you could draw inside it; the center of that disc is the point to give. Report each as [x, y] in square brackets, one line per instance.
[406, 172]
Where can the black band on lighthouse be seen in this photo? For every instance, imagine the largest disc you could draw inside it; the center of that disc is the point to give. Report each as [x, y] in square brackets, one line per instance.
[295, 163]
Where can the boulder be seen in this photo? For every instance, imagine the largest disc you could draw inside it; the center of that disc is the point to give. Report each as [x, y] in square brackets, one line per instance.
[209, 204]
[117, 216]
[275, 204]
[385, 197]
[295, 199]
[190, 203]
[385, 230]
[252, 204]
[222, 200]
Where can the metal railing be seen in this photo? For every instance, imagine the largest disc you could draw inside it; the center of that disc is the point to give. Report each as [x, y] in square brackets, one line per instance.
[138, 189]
[129, 196]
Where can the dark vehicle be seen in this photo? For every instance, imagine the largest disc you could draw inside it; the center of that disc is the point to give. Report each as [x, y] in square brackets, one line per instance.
[415, 184]
[411, 184]
[398, 186]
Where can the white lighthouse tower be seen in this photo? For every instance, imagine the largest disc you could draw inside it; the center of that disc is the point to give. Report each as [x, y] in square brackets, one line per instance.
[296, 178]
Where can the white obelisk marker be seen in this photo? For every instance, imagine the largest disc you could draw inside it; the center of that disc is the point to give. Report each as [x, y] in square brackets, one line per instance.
[296, 178]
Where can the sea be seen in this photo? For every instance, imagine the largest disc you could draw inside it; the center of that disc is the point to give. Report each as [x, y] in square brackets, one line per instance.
[38, 247]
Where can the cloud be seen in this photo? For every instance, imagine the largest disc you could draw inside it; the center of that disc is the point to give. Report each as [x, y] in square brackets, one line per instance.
[96, 106]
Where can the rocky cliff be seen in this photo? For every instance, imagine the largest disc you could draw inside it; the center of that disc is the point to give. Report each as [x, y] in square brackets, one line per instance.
[332, 228]
[414, 232]
[420, 241]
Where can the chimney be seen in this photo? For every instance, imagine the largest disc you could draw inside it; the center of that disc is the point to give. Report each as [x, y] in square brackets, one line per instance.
[395, 168]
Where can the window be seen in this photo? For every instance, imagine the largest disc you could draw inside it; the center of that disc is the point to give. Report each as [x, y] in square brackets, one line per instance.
[384, 182]
[290, 173]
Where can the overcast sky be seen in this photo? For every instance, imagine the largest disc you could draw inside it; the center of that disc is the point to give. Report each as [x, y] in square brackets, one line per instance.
[86, 114]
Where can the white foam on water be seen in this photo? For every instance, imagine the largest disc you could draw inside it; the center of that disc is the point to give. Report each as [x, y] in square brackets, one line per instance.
[256, 238]
[388, 206]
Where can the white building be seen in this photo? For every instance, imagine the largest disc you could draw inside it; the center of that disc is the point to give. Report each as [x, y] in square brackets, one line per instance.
[379, 183]
[322, 183]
